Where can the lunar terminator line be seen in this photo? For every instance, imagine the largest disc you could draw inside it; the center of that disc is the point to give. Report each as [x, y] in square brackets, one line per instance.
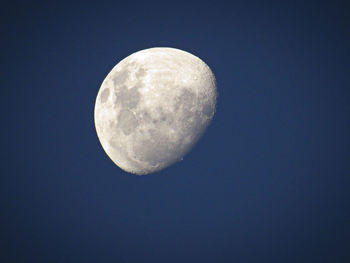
[153, 107]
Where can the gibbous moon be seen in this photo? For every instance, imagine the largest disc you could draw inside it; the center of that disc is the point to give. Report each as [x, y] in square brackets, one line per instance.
[153, 107]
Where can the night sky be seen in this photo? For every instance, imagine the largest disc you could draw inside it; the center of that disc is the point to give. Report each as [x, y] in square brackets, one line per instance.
[268, 182]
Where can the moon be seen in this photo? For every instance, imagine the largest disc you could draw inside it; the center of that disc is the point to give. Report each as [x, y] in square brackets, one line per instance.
[152, 108]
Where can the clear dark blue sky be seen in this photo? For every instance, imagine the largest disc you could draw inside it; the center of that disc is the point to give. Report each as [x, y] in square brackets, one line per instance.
[268, 182]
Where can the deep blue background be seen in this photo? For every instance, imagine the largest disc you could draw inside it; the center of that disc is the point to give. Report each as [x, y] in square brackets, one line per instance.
[268, 182]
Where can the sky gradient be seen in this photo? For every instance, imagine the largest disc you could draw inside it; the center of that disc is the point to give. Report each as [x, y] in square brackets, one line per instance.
[269, 180]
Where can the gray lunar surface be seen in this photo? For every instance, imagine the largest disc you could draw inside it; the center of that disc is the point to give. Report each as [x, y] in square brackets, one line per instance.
[153, 107]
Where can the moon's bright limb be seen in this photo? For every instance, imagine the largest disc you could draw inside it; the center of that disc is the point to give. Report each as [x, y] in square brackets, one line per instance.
[153, 107]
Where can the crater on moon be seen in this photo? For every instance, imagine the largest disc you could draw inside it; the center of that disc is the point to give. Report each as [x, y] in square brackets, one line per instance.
[127, 121]
[154, 149]
[120, 77]
[104, 95]
[128, 98]
[152, 108]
